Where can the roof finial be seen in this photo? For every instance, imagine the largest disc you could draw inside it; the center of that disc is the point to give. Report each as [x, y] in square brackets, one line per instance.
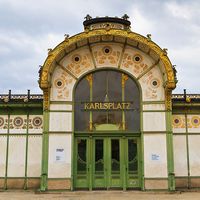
[66, 37]
[49, 51]
[87, 17]
[149, 37]
[165, 51]
[125, 17]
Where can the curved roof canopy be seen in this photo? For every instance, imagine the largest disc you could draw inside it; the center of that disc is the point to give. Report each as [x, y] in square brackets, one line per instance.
[107, 29]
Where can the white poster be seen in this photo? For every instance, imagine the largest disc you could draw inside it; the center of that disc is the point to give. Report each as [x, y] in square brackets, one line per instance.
[60, 155]
[155, 157]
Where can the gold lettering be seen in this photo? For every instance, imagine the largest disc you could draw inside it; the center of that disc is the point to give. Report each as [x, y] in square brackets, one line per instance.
[96, 106]
[119, 106]
[86, 106]
[123, 106]
[105, 106]
[100, 106]
[108, 106]
[92, 106]
[128, 106]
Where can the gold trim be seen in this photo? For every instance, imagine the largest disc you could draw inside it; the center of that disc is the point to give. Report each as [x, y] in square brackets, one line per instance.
[46, 99]
[53, 55]
[89, 79]
[124, 79]
[168, 99]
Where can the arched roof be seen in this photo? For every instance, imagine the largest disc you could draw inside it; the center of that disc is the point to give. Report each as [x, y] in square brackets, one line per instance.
[113, 35]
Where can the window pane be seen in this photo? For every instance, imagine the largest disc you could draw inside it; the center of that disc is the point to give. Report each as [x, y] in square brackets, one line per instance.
[132, 117]
[82, 94]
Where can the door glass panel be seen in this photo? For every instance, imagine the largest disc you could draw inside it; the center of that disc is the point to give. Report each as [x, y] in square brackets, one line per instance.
[115, 155]
[81, 156]
[99, 162]
[132, 156]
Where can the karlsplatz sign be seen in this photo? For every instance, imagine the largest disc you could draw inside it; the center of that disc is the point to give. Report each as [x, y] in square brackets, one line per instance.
[88, 106]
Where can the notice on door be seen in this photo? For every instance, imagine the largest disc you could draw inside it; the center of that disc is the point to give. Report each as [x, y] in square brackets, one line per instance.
[155, 157]
[60, 155]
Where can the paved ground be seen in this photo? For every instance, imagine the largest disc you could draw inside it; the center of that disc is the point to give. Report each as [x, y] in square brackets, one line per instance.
[100, 195]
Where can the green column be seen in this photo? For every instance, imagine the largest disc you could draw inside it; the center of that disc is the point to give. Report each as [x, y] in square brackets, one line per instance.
[45, 144]
[26, 156]
[124, 79]
[7, 151]
[169, 138]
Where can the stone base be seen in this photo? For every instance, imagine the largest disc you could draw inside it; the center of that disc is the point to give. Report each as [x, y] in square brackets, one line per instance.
[15, 183]
[33, 183]
[2, 182]
[59, 184]
[195, 182]
[156, 184]
[181, 182]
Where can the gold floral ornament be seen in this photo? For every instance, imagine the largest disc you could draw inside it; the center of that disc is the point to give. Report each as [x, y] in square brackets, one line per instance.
[79, 64]
[106, 54]
[89, 79]
[152, 85]
[124, 79]
[134, 63]
[62, 84]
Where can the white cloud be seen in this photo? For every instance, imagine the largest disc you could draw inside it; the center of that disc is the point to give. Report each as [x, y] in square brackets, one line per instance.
[140, 23]
[20, 55]
[186, 10]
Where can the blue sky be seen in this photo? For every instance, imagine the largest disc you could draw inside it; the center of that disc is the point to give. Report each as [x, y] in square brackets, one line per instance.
[29, 27]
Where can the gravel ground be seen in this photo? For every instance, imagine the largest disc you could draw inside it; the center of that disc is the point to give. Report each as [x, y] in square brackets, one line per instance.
[100, 195]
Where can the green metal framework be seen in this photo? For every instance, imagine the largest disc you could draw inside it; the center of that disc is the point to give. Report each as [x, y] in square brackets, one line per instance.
[16, 109]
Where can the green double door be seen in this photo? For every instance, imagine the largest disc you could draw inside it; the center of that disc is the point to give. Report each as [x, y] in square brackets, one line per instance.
[106, 163]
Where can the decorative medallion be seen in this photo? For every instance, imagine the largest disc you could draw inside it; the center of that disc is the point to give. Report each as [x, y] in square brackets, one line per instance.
[37, 121]
[195, 121]
[1, 121]
[80, 63]
[18, 121]
[76, 58]
[137, 58]
[59, 83]
[107, 50]
[155, 83]
[178, 121]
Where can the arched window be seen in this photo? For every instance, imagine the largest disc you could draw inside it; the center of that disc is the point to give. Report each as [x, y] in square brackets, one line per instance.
[107, 100]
